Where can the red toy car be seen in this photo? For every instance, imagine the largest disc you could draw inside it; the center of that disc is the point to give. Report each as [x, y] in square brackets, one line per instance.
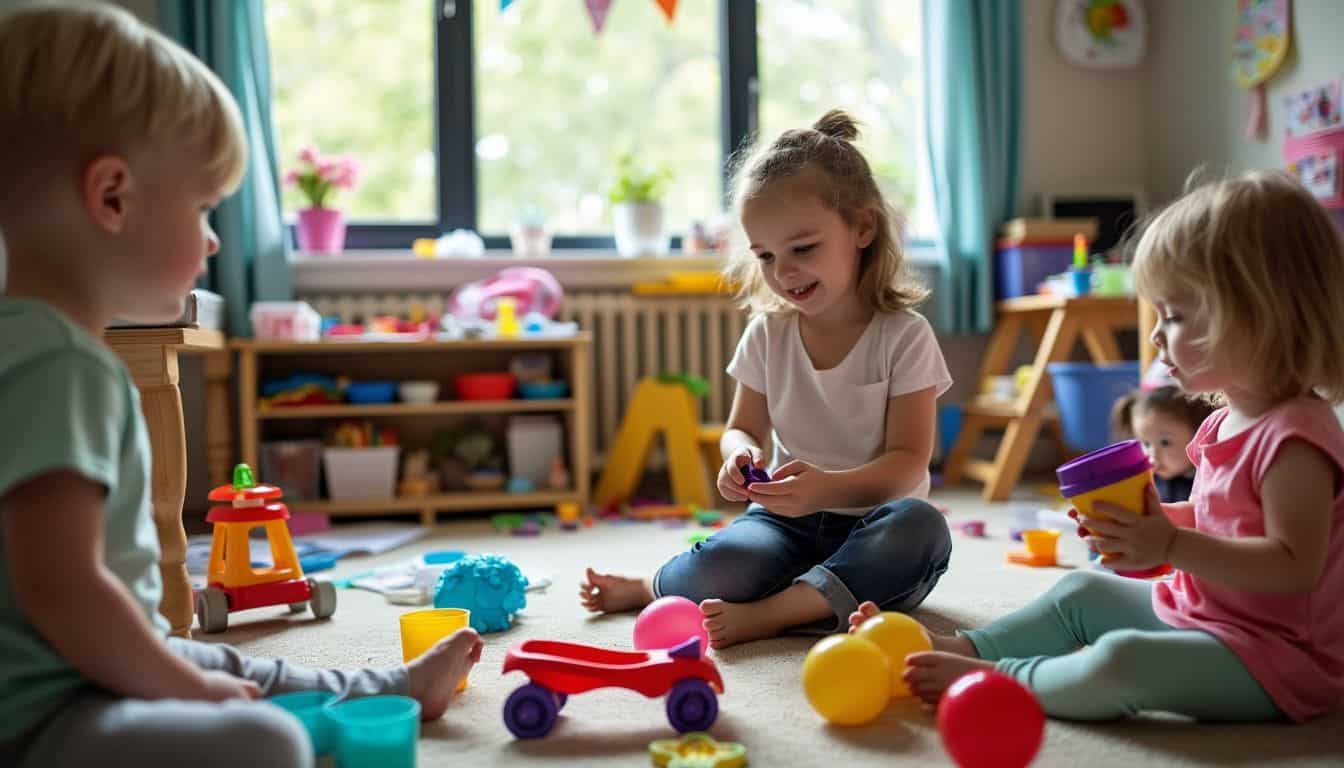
[558, 669]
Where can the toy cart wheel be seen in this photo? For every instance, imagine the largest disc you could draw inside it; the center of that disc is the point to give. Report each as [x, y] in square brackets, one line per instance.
[560, 699]
[530, 711]
[212, 610]
[323, 600]
[298, 607]
[692, 706]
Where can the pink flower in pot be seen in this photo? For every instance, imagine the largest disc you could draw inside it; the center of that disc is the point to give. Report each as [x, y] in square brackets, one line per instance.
[320, 228]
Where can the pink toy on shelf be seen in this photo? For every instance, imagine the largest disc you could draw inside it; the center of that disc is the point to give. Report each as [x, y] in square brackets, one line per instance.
[532, 289]
[669, 621]
[555, 670]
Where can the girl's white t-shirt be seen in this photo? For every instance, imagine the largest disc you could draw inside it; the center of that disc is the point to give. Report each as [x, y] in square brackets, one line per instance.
[835, 419]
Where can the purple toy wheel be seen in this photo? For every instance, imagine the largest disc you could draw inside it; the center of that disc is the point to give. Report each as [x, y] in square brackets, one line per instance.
[560, 699]
[692, 706]
[530, 711]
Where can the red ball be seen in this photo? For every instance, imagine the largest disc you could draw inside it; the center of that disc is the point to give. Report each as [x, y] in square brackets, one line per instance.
[989, 720]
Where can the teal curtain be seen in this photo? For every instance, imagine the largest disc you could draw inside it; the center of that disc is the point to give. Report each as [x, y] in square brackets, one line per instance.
[252, 263]
[973, 121]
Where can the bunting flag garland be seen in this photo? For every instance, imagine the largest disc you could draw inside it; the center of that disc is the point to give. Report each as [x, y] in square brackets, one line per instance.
[597, 9]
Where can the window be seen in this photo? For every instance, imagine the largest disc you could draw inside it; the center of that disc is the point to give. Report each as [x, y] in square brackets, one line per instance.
[862, 55]
[358, 77]
[465, 116]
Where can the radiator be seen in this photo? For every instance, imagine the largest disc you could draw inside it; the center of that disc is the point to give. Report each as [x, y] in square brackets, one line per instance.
[633, 337]
[639, 336]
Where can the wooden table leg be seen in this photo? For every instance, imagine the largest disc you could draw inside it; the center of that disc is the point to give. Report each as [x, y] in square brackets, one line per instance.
[218, 417]
[1056, 343]
[1147, 352]
[161, 402]
[1002, 344]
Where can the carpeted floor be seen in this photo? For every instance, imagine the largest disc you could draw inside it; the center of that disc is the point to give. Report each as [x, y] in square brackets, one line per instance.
[764, 706]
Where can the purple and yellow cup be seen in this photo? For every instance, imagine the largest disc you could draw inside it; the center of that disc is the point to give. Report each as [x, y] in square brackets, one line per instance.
[1118, 474]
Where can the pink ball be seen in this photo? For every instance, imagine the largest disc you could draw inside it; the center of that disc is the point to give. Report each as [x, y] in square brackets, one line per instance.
[668, 622]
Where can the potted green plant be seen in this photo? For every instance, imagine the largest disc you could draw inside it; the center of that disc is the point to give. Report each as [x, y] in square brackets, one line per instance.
[637, 208]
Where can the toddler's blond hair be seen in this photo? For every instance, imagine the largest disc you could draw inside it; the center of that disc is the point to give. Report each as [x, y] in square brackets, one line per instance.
[845, 184]
[1265, 265]
[81, 80]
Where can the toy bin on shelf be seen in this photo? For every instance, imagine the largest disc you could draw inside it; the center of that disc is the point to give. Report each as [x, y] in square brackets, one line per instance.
[534, 443]
[1085, 393]
[1020, 267]
[361, 473]
[294, 466]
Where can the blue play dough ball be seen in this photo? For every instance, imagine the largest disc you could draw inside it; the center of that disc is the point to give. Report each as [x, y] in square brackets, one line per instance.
[490, 586]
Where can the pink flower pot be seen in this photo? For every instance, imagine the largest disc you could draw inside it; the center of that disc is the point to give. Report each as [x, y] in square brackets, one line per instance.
[321, 230]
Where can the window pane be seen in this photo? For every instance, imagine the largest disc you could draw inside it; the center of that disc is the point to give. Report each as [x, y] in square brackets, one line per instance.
[357, 77]
[556, 104]
[858, 55]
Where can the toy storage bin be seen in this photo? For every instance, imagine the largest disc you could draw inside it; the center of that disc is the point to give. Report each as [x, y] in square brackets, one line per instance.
[293, 466]
[285, 320]
[361, 473]
[534, 442]
[1085, 393]
[1020, 267]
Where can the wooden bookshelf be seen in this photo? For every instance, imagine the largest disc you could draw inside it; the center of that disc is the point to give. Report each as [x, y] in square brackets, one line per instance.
[436, 360]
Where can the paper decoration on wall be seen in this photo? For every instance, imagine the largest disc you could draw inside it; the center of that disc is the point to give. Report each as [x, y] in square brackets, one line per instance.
[597, 11]
[1313, 110]
[1261, 45]
[1104, 34]
[669, 8]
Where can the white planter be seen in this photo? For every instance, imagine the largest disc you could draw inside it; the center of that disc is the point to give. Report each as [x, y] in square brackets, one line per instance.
[639, 229]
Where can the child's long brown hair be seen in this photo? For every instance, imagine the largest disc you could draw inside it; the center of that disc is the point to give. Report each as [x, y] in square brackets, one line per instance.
[846, 186]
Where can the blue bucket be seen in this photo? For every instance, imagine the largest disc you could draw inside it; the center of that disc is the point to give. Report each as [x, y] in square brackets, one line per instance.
[1085, 393]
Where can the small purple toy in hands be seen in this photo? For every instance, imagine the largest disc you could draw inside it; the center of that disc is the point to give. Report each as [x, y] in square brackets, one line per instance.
[754, 475]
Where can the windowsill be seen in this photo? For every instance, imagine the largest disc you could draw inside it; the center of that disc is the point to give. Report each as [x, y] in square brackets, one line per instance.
[377, 271]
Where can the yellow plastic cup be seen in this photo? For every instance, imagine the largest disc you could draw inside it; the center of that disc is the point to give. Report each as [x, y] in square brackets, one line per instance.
[1041, 542]
[420, 630]
[1118, 474]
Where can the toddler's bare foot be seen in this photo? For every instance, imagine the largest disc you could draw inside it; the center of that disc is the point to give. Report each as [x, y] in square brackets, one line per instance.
[930, 673]
[434, 674]
[608, 593]
[733, 623]
[949, 643]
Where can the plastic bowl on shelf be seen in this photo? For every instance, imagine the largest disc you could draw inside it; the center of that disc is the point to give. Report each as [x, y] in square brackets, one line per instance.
[371, 392]
[418, 392]
[543, 390]
[485, 386]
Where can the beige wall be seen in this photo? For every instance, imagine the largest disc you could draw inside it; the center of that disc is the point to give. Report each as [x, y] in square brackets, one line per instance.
[1083, 128]
[1195, 111]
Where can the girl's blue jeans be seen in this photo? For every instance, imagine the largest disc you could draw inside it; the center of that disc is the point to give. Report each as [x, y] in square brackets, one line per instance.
[892, 556]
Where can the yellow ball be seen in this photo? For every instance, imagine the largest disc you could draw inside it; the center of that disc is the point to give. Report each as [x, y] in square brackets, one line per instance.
[847, 679]
[897, 636]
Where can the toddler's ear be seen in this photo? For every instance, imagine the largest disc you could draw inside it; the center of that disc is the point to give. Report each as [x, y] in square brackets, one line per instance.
[105, 191]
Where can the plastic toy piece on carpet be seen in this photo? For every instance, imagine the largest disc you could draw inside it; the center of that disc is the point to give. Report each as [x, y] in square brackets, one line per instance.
[697, 750]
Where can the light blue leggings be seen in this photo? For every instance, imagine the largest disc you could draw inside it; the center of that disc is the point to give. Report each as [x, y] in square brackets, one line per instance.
[1091, 648]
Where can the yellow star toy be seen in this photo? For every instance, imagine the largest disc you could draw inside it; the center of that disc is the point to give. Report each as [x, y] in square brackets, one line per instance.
[697, 750]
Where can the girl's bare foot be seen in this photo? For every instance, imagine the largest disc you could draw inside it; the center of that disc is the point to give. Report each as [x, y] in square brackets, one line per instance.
[434, 675]
[733, 623]
[609, 593]
[948, 643]
[930, 673]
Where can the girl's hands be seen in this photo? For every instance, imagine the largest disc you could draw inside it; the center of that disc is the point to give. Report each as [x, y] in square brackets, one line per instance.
[730, 474]
[797, 489]
[1132, 542]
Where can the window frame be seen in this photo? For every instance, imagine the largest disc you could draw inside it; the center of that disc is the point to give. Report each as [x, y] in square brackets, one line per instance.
[455, 128]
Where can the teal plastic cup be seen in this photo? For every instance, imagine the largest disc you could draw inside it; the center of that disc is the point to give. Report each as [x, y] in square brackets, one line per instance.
[376, 731]
[310, 708]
